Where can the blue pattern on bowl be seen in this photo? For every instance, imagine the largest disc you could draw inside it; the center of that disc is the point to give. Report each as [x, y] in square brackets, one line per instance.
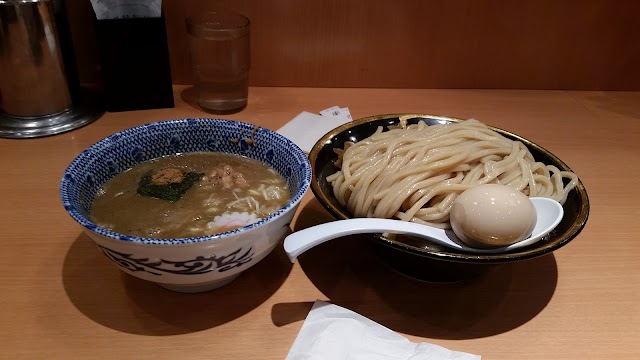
[121, 151]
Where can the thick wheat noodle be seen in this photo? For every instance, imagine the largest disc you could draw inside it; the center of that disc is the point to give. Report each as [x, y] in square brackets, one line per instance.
[414, 173]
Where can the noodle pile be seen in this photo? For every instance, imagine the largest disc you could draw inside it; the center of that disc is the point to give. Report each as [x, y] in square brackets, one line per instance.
[414, 173]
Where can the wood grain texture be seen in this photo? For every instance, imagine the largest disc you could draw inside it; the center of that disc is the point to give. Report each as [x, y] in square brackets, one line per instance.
[62, 299]
[532, 44]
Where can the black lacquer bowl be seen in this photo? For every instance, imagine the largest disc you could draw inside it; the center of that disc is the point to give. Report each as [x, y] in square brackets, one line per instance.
[417, 257]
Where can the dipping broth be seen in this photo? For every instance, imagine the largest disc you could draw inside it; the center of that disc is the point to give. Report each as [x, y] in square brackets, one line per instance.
[189, 195]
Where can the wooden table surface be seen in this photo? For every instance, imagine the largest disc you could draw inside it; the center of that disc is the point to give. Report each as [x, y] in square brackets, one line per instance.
[61, 299]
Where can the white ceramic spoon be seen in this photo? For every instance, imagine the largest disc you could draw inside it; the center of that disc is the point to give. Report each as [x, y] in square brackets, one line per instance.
[549, 213]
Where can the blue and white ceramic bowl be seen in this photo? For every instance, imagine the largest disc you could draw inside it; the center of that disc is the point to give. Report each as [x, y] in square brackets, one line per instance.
[187, 264]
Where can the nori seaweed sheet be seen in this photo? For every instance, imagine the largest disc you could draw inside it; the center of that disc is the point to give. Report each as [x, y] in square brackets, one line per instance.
[170, 192]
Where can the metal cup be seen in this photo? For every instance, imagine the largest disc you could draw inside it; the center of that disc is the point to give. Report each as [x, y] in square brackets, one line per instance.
[32, 74]
[37, 93]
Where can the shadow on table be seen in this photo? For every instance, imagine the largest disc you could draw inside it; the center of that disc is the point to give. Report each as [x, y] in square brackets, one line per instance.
[189, 96]
[122, 302]
[622, 103]
[350, 274]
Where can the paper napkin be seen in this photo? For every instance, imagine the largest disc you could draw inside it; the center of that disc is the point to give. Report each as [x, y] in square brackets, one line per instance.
[331, 332]
[124, 9]
[307, 128]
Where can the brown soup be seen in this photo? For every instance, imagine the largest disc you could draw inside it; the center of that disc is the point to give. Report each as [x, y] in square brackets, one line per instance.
[188, 195]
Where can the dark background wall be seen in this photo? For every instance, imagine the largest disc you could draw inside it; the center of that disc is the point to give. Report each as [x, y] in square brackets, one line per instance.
[513, 44]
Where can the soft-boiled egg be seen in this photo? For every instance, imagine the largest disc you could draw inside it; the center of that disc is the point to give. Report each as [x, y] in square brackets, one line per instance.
[492, 215]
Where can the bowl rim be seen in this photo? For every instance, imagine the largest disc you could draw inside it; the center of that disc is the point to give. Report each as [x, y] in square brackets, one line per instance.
[183, 123]
[538, 249]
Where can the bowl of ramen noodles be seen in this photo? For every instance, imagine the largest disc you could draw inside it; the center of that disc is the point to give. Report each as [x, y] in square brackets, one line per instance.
[188, 204]
[413, 167]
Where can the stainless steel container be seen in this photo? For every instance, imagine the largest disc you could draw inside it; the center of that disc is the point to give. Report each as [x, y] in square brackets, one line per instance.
[36, 96]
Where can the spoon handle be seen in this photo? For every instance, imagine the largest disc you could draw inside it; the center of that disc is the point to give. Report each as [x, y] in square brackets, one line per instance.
[303, 240]
[549, 213]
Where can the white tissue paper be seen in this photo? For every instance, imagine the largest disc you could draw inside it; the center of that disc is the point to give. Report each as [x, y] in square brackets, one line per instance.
[307, 128]
[331, 332]
[126, 9]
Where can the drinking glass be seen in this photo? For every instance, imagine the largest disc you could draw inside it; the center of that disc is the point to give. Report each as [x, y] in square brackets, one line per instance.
[220, 58]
